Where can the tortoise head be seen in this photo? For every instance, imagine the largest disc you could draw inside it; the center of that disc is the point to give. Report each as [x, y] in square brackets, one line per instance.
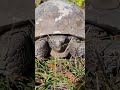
[58, 42]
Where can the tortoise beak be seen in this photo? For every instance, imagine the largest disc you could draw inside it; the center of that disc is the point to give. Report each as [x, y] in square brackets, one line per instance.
[60, 49]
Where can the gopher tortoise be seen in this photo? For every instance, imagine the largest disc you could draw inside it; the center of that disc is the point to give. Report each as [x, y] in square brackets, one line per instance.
[17, 49]
[16, 39]
[57, 24]
[102, 44]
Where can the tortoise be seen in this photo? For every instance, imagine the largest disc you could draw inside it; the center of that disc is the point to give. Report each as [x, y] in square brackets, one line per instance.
[57, 22]
[16, 39]
[102, 50]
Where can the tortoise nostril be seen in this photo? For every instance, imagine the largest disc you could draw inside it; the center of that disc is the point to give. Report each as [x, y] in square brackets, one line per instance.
[58, 44]
[58, 49]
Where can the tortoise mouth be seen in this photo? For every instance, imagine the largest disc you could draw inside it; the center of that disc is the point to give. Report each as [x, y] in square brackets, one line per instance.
[59, 49]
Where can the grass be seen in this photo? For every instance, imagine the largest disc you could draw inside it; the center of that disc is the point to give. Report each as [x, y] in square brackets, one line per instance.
[60, 73]
[80, 3]
[16, 83]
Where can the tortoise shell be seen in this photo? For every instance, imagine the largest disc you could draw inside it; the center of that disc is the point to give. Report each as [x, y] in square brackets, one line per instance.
[59, 17]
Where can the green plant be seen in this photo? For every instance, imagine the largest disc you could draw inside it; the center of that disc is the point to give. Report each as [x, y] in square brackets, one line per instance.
[37, 2]
[59, 73]
[14, 82]
[80, 3]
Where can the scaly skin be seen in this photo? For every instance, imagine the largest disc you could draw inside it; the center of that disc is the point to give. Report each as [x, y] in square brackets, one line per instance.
[43, 46]
[59, 45]
[94, 32]
[77, 49]
[42, 49]
[16, 52]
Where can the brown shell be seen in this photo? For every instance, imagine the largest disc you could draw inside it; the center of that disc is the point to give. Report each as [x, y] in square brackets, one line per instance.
[59, 17]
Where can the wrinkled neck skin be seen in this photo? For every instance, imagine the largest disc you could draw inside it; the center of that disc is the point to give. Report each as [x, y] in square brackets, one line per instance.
[58, 43]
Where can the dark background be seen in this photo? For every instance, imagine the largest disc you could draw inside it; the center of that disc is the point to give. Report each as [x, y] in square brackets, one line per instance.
[102, 45]
[17, 45]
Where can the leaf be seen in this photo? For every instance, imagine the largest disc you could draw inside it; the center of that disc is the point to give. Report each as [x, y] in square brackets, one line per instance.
[52, 66]
[71, 77]
[37, 2]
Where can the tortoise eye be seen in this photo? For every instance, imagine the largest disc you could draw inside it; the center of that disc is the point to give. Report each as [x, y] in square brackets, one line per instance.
[78, 40]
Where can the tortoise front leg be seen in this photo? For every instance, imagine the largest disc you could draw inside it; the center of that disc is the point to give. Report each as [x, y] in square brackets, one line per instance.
[42, 49]
[77, 50]
[76, 47]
